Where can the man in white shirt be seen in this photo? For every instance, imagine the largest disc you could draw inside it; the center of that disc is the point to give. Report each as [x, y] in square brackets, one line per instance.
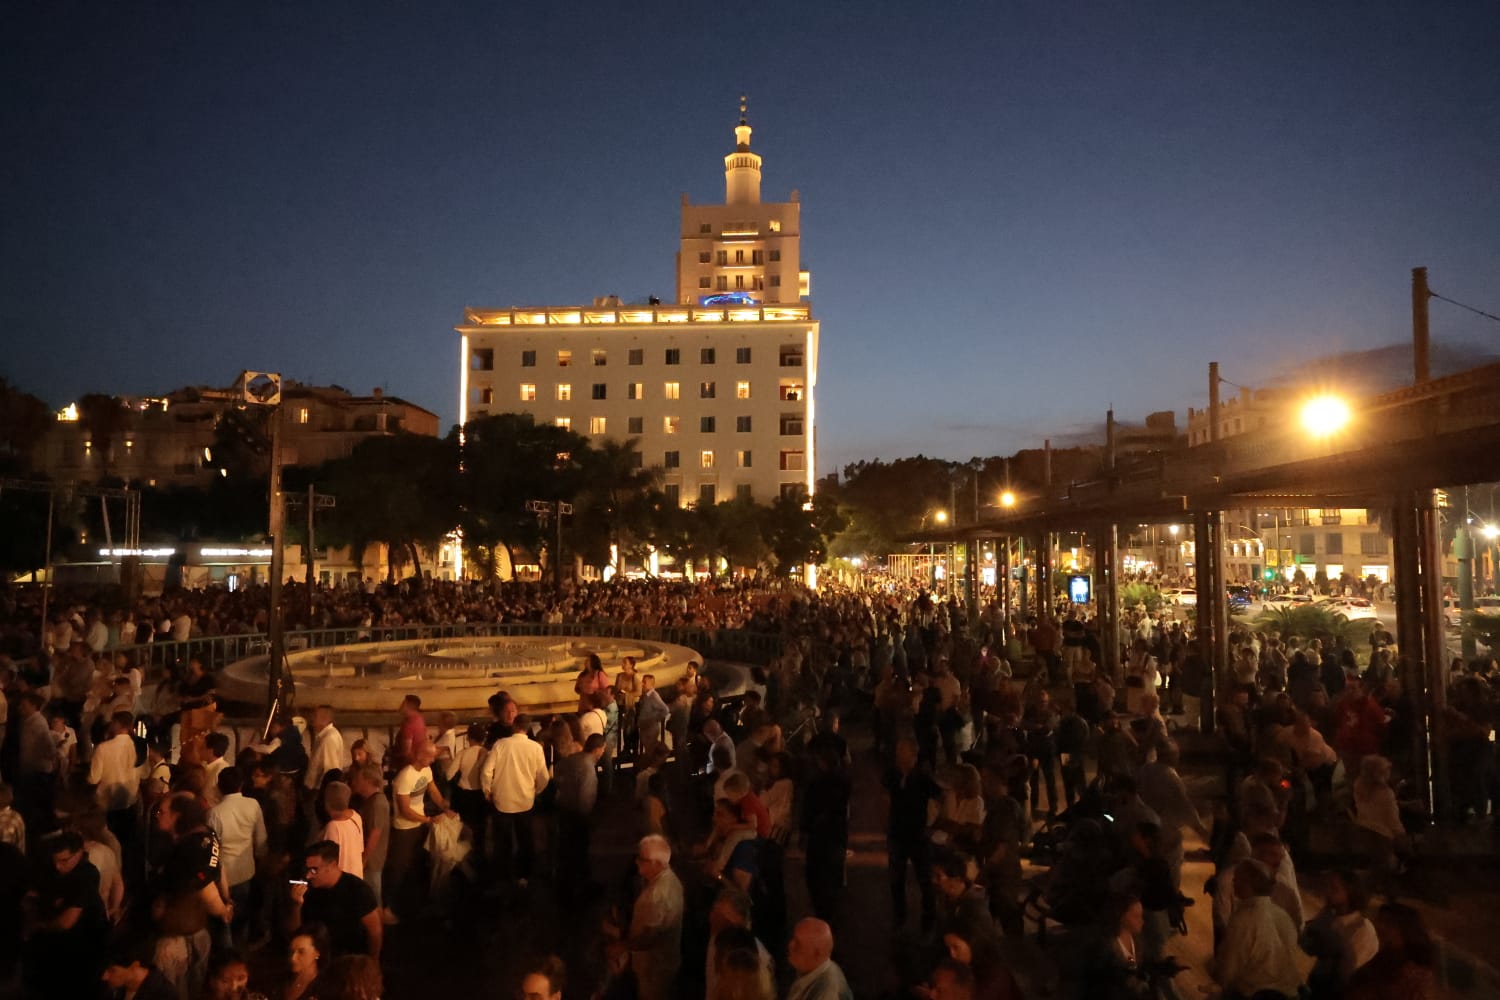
[328, 753]
[241, 827]
[117, 780]
[1259, 952]
[218, 746]
[514, 774]
[811, 954]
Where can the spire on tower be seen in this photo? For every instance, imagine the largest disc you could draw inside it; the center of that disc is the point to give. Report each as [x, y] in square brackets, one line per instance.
[742, 167]
[743, 101]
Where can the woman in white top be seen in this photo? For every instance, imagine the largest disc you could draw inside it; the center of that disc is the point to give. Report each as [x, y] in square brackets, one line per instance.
[961, 818]
[1377, 817]
[779, 796]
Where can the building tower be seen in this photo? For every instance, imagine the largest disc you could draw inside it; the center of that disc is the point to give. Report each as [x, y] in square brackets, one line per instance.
[744, 248]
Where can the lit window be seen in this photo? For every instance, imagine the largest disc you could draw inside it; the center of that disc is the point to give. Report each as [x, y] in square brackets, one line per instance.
[565, 423]
[742, 390]
[635, 390]
[672, 460]
[742, 459]
[775, 227]
[564, 358]
[673, 356]
[596, 425]
[671, 390]
[739, 256]
[599, 357]
[706, 356]
[742, 425]
[528, 359]
[599, 390]
[528, 392]
[564, 391]
[705, 390]
[637, 356]
[706, 459]
[706, 425]
[129, 445]
[669, 425]
[637, 425]
[742, 355]
[791, 392]
[303, 415]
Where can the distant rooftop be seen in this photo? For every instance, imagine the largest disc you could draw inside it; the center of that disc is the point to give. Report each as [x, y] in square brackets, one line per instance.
[636, 315]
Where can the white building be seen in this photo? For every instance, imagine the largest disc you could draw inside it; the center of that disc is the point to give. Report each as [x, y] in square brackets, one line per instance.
[718, 388]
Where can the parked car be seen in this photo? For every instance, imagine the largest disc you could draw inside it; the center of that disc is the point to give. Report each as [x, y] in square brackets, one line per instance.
[1353, 608]
[1285, 602]
[1454, 615]
[1186, 597]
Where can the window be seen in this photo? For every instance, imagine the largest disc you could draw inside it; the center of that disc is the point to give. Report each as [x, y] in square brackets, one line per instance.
[482, 359]
[596, 425]
[528, 392]
[705, 425]
[775, 227]
[673, 356]
[742, 491]
[790, 392]
[672, 459]
[739, 281]
[635, 390]
[757, 257]
[637, 356]
[791, 424]
[705, 256]
[722, 258]
[1334, 543]
[775, 257]
[742, 390]
[528, 359]
[706, 459]
[673, 494]
[564, 391]
[759, 282]
[775, 281]
[304, 414]
[739, 256]
[705, 282]
[742, 458]
[791, 461]
[705, 227]
[707, 495]
[791, 355]
[1307, 543]
[599, 357]
[721, 283]
[706, 356]
[636, 425]
[637, 460]
[742, 355]
[600, 390]
[565, 423]
[671, 390]
[1372, 543]
[706, 390]
[742, 425]
[564, 358]
[669, 425]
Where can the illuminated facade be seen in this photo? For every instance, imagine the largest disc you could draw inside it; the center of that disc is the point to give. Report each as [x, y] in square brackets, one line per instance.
[718, 389]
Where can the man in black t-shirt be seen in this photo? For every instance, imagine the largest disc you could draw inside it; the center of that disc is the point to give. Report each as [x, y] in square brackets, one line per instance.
[63, 956]
[911, 790]
[339, 901]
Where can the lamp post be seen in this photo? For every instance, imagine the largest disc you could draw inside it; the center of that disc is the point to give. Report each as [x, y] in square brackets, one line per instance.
[941, 517]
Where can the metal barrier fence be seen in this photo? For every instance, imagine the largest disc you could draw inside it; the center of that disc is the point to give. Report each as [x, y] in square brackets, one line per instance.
[218, 651]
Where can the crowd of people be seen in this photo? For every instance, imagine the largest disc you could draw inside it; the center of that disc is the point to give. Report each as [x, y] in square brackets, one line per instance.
[145, 870]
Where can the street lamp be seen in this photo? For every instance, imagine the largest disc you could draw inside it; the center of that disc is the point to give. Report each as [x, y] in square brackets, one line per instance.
[1007, 499]
[1323, 416]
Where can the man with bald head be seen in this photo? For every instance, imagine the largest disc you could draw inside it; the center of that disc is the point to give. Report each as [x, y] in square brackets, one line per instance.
[811, 953]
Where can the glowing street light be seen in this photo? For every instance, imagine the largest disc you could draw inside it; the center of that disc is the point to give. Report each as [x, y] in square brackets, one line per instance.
[941, 517]
[1491, 531]
[1008, 499]
[1325, 415]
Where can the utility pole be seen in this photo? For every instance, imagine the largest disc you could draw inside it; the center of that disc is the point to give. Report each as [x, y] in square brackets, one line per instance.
[315, 501]
[556, 509]
[276, 625]
[1421, 339]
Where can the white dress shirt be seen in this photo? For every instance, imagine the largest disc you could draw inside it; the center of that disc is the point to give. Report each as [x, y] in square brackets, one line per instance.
[327, 754]
[114, 774]
[242, 836]
[514, 773]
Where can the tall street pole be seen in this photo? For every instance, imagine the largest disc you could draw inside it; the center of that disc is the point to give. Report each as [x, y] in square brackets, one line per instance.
[277, 525]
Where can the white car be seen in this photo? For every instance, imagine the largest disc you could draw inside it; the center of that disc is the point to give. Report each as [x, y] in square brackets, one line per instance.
[1185, 597]
[1353, 608]
[1482, 605]
[1285, 602]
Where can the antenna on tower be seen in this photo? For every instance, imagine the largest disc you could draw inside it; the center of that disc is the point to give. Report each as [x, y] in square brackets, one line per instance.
[743, 105]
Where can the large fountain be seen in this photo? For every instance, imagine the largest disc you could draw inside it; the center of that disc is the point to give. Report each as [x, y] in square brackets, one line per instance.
[456, 674]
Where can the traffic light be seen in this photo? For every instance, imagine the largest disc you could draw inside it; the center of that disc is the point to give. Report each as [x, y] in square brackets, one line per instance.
[1269, 574]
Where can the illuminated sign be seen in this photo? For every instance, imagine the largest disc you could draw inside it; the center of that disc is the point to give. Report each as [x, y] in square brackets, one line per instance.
[143, 553]
[217, 553]
[728, 299]
[1080, 588]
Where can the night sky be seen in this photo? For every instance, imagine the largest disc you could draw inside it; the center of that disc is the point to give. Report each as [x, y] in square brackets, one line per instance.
[1015, 214]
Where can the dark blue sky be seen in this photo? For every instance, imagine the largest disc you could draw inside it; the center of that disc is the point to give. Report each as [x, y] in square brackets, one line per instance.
[1015, 214]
